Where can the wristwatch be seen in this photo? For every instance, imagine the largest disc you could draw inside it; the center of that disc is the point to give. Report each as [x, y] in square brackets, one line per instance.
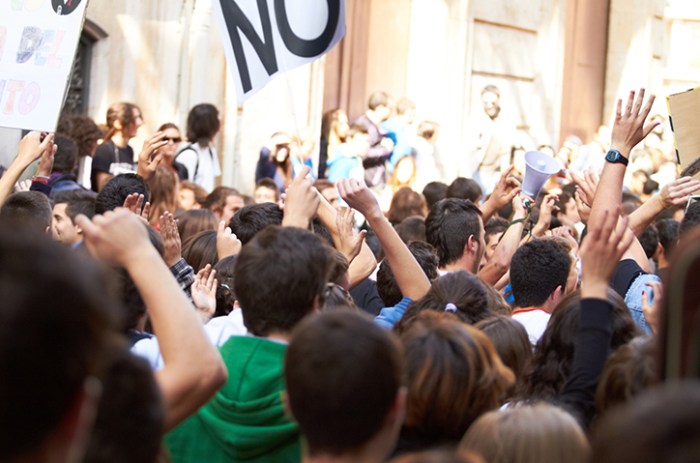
[614, 157]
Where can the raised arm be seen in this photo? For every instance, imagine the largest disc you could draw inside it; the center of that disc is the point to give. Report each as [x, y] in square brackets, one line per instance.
[302, 201]
[506, 189]
[362, 263]
[31, 148]
[600, 253]
[409, 275]
[628, 130]
[500, 262]
[675, 193]
[193, 369]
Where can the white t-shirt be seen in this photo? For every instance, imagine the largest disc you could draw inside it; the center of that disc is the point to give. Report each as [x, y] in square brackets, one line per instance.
[534, 320]
[202, 165]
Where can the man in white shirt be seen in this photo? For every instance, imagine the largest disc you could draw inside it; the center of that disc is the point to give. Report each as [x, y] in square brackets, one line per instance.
[542, 273]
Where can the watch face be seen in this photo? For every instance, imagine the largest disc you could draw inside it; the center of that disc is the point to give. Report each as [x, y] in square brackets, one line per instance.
[64, 7]
[612, 156]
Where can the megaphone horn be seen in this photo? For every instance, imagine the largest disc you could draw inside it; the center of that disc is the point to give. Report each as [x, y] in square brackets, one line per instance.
[538, 168]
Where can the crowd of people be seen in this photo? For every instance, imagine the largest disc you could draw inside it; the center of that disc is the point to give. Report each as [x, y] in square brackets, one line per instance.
[356, 308]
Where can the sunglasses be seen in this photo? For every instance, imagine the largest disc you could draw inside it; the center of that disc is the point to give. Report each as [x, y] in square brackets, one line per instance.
[174, 140]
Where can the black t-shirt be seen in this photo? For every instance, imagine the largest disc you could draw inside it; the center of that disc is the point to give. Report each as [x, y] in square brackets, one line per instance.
[627, 271]
[113, 160]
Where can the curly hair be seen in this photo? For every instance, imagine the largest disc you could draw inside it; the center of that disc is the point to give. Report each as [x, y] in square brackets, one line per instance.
[83, 130]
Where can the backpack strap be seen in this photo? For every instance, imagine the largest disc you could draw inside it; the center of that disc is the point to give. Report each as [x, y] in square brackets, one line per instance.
[190, 147]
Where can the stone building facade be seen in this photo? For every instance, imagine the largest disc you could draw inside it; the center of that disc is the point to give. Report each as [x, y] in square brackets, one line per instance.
[559, 64]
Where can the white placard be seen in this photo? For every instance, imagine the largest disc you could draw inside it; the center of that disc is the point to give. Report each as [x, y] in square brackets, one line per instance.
[38, 39]
[264, 37]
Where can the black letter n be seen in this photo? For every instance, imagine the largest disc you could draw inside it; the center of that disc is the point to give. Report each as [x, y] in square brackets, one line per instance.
[237, 21]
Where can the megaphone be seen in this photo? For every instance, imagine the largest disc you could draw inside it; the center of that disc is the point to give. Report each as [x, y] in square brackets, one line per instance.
[538, 168]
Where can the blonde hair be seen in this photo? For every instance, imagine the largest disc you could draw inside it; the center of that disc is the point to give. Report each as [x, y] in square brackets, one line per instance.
[539, 433]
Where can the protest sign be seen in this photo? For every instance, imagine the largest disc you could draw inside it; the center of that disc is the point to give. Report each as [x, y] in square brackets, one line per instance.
[684, 111]
[38, 39]
[264, 37]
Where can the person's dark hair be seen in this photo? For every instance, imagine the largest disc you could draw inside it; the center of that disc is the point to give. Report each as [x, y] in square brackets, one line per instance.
[216, 200]
[650, 186]
[536, 270]
[649, 239]
[77, 202]
[202, 123]
[45, 355]
[434, 192]
[250, 220]
[405, 203]
[691, 218]
[270, 185]
[411, 229]
[449, 225]
[200, 194]
[494, 226]
[225, 275]
[464, 188]
[668, 235]
[439, 456]
[189, 223]
[510, 339]
[663, 425]
[386, 283]
[628, 371]
[551, 364]
[130, 415]
[279, 275]
[377, 99]
[453, 374]
[29, 210]
[66, 157]
[117, 189]
[82, 130]
[465, 291]
[343, 374]
[200, 250]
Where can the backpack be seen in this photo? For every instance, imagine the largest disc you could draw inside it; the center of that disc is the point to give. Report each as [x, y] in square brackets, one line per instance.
[191, 147]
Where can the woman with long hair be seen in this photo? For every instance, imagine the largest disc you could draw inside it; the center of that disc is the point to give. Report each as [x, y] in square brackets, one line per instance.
[114, 156]
[334, 132]
[199, 156]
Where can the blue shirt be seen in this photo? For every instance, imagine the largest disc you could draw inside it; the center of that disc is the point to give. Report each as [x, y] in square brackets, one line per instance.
[389, 316]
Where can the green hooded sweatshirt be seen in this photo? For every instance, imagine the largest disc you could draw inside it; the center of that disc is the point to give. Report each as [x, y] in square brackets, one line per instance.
[245, 421]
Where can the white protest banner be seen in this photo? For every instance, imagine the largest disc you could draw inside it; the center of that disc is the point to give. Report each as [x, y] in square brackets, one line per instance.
[265, 37]
[38, 39]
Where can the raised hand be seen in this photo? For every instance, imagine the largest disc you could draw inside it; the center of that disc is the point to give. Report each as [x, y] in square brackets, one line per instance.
[301, 201]
[601, 251]
[547, 208]
[348, 242]
[134, 203]
[148, 162]
[629, 129]
[677, 192]
[118, 237]
[204, 292]
[171, 239]
[227, 243]
[651, 310]
[356, 194]
[32, 147]
[23, 185]
[46, 160]
[507, 188]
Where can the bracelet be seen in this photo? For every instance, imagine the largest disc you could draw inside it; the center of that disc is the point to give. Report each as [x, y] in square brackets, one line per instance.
[40, 179]
[516, 221]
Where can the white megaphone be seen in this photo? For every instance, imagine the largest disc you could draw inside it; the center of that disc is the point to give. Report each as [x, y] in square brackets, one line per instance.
[538, 168]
